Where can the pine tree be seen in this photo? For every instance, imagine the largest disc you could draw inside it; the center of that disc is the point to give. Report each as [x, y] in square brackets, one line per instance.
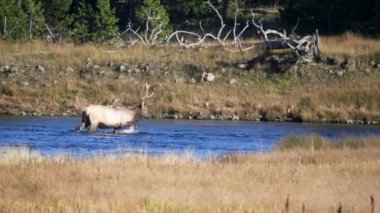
[20, 20]
[105, 20]
[10, 13]
[375, 22]
[156, 12]
[56, 14]
[94, 23]
[83, 23]
[35, 19]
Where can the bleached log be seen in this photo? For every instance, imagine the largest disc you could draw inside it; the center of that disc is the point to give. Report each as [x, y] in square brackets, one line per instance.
[306, 47]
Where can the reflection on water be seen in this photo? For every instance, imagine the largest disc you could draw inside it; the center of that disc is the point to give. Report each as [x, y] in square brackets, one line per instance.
[53, 135]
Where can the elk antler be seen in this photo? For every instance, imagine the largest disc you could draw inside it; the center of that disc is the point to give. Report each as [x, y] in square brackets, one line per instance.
[147, 95]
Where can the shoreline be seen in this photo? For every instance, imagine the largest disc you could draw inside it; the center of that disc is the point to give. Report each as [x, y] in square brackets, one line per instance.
[346, 122]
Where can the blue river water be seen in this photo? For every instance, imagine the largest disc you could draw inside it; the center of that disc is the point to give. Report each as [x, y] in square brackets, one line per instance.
[55, 135]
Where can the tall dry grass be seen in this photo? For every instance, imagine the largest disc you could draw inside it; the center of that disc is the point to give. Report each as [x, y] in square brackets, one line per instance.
[351, 45]
[292, 180]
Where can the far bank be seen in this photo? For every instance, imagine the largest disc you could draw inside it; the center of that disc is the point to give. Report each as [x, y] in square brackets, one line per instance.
[45, 79]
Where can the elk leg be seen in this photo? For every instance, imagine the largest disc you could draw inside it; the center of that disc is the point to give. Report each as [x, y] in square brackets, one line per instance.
[84, 123]
[93, 123]
[80, 127]
[93, 127]
[116, 130]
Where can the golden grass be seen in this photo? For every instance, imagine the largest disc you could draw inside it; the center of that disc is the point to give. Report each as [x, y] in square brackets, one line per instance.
[317, 179]
[350, 45]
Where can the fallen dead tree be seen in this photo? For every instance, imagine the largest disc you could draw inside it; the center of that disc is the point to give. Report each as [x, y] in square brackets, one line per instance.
[306, 47]
[228, 39]
[223, 36]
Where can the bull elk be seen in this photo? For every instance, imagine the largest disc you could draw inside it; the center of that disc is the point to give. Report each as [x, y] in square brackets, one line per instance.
[116, 116]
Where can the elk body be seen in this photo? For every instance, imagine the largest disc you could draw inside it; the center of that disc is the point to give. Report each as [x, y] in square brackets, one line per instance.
[116, 116]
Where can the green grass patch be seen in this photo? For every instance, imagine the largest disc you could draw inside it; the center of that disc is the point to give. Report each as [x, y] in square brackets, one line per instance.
[317, 142]
[154, 205]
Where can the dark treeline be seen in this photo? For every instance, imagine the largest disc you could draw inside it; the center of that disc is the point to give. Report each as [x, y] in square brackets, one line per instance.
[99, 20]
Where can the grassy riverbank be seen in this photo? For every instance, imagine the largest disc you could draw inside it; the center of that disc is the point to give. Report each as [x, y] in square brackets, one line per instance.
[250, 85]
[313, 177]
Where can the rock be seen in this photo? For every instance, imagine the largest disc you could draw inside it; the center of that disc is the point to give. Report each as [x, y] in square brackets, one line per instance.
[229, 104]
[122, 68]
[340, 72]
[89, 63]
[193, 81]
[69, 69]
[4, 68]
[348, 64]
[152, 72]
[208, 76]
[121, 77]
[207, 104]
[3, 83]
[378, 66]
[25, 83]
[179, 80]
[242, 66]
[85, 74]
[14, 69]
[373, 63]
[96, 67]
[137, 70]
[235, 118]
[232, 81]
[331, 60]
[40, 68]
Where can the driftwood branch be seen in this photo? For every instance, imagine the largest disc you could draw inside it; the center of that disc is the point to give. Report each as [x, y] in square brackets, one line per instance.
[148, 37]
[221, 38]
[52, 37]
[306, 47]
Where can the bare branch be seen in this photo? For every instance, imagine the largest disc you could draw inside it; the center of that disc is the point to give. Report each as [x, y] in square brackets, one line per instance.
[148, 37]
[219, 38]
[220, 18]
[134, 32]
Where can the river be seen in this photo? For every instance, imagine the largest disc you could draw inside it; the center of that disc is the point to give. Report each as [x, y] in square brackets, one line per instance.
[55, 135]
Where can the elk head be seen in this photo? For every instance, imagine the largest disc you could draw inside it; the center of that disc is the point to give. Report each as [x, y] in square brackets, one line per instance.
[144, 95]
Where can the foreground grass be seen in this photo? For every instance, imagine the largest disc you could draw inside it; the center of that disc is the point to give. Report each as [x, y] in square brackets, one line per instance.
[291, 180]
[314, 92]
